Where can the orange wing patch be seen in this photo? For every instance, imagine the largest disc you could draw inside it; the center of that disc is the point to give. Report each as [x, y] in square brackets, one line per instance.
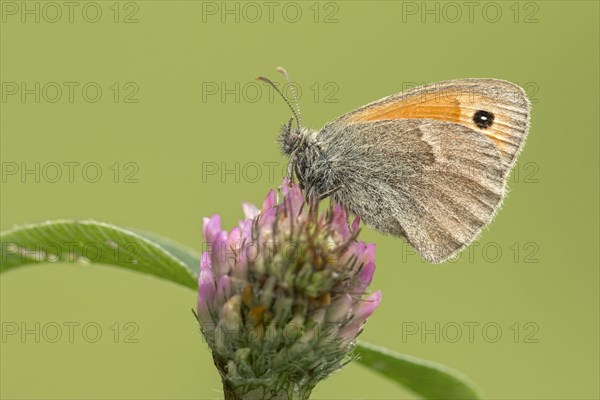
[446, 105]
[430, 105]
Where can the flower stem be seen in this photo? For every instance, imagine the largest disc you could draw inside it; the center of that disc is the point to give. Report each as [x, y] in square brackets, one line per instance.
[229, 393]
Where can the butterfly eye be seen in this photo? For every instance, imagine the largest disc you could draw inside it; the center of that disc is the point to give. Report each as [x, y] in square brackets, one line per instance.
[483, 119]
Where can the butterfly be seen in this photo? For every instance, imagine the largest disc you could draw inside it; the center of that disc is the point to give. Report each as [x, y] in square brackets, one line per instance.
[429, 164]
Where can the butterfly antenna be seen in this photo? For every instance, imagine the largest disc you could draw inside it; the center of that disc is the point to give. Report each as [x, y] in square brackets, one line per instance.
[287, 77]
[270, 82]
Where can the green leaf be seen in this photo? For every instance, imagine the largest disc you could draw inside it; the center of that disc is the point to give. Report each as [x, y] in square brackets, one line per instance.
[426, 378]
[90, 242]
[189, 257]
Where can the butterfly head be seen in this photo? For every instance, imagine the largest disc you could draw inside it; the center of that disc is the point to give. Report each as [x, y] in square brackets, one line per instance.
[292, 138]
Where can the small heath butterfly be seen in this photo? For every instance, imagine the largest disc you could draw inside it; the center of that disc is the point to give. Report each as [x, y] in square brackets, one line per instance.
[429, 164]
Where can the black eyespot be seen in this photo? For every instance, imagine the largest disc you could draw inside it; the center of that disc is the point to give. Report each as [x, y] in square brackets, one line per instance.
[483, 119]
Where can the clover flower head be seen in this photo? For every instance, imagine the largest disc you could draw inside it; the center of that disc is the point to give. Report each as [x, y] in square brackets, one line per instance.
[282, 296]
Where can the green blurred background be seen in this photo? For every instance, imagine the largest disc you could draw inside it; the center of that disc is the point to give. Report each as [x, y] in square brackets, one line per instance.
[179, 108]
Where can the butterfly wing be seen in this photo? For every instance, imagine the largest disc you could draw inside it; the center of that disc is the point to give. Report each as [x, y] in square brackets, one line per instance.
[417, 164]
[494, 108]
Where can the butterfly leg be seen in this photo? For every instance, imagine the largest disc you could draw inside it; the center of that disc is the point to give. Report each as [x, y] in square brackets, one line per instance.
[290, 169]
[299, 174]
[330, 192]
